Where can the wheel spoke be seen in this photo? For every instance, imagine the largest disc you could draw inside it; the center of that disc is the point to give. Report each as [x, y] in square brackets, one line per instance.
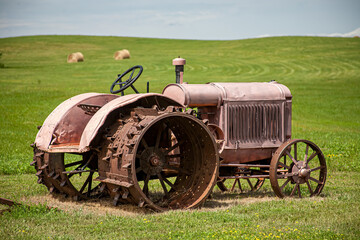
[88, 179]
[315, 180]
[315, 169]
[173, 147]
[163, 185]
[294, 189]
[283, 165]
[295, 151]
[138, 169]
[286, 182]
[314, 154]
[234, 184]
[306, 153]
[90, 182]
[73, 164]
[180, 170]
[309, 187]
[285, 175]
[73, 172]
[291, 157]
[299, 191]
[169, 183]
[88, 161]
[158, 137]
[250, 184]
[146, 185]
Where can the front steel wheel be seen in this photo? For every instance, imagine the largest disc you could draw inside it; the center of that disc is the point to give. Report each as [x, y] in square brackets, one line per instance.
[298, 168]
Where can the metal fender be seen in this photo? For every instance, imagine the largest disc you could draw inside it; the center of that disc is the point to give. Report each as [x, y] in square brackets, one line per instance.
[62, 129]
[110, 112]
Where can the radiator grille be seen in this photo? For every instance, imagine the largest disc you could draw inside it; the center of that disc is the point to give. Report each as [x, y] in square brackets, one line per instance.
[255, 123]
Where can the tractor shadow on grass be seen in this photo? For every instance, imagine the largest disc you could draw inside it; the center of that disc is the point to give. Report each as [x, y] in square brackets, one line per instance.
[104, 206]
[220, 200]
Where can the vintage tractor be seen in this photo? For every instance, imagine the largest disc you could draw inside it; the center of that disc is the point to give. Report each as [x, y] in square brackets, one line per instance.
[168, 151]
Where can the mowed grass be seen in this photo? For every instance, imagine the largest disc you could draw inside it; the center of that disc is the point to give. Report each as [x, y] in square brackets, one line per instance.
[260, 215]
[323, 75]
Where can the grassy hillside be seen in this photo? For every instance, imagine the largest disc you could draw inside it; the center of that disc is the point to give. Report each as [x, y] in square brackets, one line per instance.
[323, 75]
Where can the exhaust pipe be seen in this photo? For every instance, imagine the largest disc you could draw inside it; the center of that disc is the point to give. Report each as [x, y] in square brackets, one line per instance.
[179, 69]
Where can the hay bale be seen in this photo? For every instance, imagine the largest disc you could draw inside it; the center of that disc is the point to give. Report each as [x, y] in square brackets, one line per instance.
[122, 54]
[75, 57]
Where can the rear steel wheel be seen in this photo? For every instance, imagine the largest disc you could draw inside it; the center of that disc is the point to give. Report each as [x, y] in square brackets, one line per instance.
[72, 175]
[163, 161]
[298, 168]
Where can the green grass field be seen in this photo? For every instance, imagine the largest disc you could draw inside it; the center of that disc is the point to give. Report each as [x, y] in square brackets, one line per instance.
[323, 75]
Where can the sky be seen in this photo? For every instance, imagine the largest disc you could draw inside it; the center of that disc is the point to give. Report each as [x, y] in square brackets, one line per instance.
[180, 19]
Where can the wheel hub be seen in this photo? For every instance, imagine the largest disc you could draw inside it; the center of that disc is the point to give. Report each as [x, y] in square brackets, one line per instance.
[152, 161]
[301, 172]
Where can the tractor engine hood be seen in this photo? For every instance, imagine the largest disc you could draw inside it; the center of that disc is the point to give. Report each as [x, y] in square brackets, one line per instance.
[214, 94]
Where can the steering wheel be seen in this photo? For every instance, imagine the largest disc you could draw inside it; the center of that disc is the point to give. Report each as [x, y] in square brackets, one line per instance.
[127, 83]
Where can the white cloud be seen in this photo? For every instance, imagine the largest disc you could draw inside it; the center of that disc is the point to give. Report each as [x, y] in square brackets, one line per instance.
[354, 33]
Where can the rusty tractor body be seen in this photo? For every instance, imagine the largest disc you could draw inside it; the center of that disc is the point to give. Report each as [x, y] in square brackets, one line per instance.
[168, 151]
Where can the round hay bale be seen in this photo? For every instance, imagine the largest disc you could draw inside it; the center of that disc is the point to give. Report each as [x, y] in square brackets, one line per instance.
[122, 54]
[75, 57]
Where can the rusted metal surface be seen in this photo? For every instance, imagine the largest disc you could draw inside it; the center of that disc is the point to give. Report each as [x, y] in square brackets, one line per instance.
[195, 95]
[139, 154]
[254, 117]
[179, 69]
[167, 151]
[213, 94]
[73, 178]
[65, 124]
[76, 122]
[113, 110]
